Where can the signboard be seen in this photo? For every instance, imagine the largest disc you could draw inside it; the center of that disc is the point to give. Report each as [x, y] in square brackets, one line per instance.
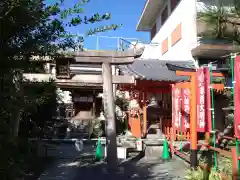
[200, 100]
[82, 99]
[237, 97]
[63, 68]
[176, 116]
[208, 105]
[186, 108]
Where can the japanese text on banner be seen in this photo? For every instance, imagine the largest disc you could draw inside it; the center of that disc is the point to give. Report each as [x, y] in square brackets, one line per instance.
[177, 109]
[200, 101]
[186, 108]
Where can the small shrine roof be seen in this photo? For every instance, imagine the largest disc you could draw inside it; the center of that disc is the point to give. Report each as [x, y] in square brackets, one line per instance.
[155, 69]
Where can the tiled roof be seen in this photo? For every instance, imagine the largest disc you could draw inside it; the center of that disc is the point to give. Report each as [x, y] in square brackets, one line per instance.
[156, 70]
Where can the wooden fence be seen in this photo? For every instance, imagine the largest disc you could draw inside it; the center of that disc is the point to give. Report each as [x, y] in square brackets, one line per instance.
[177, 134]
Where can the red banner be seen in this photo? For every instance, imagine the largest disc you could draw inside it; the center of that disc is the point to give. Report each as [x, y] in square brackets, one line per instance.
[186, 108]
[173, 105]
[201, 119]
[237, 97]
[208, 105]
[176, 108]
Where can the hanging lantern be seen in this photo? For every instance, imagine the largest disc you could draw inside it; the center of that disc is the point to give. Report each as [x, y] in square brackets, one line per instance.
[153, 102]
[227, 76]
[228, 80]
[226, 70]
[101, 117]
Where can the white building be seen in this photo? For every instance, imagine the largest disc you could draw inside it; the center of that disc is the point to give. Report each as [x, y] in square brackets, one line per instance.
[174, 30]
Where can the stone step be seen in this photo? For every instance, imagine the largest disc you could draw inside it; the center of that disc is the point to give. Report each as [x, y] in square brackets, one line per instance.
[153, 151]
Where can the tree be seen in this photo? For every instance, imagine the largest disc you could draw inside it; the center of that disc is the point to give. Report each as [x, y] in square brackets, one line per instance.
[30, 27]
[222, 21]
[33, 28]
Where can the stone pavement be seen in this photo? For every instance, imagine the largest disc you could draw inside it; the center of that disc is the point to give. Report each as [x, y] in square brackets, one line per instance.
[67, 163]
[73, 166]
[144, 169]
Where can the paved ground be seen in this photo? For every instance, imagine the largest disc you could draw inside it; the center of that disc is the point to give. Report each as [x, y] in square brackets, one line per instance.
[144, 169]
[73, 166]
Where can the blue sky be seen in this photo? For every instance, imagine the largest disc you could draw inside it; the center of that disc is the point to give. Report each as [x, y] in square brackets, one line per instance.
[126, 12]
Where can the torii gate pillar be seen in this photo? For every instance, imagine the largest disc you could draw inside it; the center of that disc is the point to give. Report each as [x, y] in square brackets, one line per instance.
[106, 59]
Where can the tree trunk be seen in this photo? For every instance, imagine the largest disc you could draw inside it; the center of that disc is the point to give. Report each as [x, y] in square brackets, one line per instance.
[17, 80]
[16, 123]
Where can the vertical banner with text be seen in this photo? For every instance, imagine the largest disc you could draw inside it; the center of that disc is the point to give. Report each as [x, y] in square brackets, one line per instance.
[185, 108]
[237, 97]
[200, 100]
[208, 113]
[173, 105]
[177, 108]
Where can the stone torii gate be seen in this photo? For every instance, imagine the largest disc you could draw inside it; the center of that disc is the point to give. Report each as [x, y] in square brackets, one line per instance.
[106, 59]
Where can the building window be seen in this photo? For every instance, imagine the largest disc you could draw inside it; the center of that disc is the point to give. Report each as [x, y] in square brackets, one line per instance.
[174, 4]
[153, 31]
[176, 34]
[164, 15]
[165, 46]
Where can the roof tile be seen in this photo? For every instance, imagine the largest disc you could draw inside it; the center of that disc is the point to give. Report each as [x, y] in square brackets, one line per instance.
[154, 69]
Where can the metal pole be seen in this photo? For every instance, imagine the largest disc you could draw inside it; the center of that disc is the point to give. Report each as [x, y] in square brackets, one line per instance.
[109, 110]
[97, 43]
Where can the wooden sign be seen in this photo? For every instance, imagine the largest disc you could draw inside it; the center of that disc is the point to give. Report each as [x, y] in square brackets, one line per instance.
[63, 68]
[83, 99]
[200, 101]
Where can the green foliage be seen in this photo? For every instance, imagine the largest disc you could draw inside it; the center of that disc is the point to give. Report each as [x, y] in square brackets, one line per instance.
[98, 129]
[219, 80]
[193, 174]
[30, 27]
[214, 175]
[14, 155]
[200, 174]
[40, 104]
[225, 166]
[122, 103]
[223, 21]
[33, 28]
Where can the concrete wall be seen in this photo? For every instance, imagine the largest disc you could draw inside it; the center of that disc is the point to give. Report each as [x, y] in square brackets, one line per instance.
[184, 14]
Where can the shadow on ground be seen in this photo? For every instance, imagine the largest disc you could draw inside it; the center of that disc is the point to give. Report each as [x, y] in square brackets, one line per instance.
[137, 168]
[74, 167]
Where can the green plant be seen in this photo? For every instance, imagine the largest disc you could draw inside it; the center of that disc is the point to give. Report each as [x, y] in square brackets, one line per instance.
[214, 175]
[98, 128]
[195, 174]
[222, 20]
[225, 166]
[33, 28]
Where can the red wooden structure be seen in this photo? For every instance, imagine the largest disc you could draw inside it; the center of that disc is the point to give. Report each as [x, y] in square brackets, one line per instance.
[193, 96]
[152, 78]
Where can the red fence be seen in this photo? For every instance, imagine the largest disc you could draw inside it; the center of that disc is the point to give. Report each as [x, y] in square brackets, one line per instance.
[177, 134]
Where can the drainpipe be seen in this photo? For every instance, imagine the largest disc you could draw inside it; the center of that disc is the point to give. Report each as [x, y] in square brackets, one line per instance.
[169, 7]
